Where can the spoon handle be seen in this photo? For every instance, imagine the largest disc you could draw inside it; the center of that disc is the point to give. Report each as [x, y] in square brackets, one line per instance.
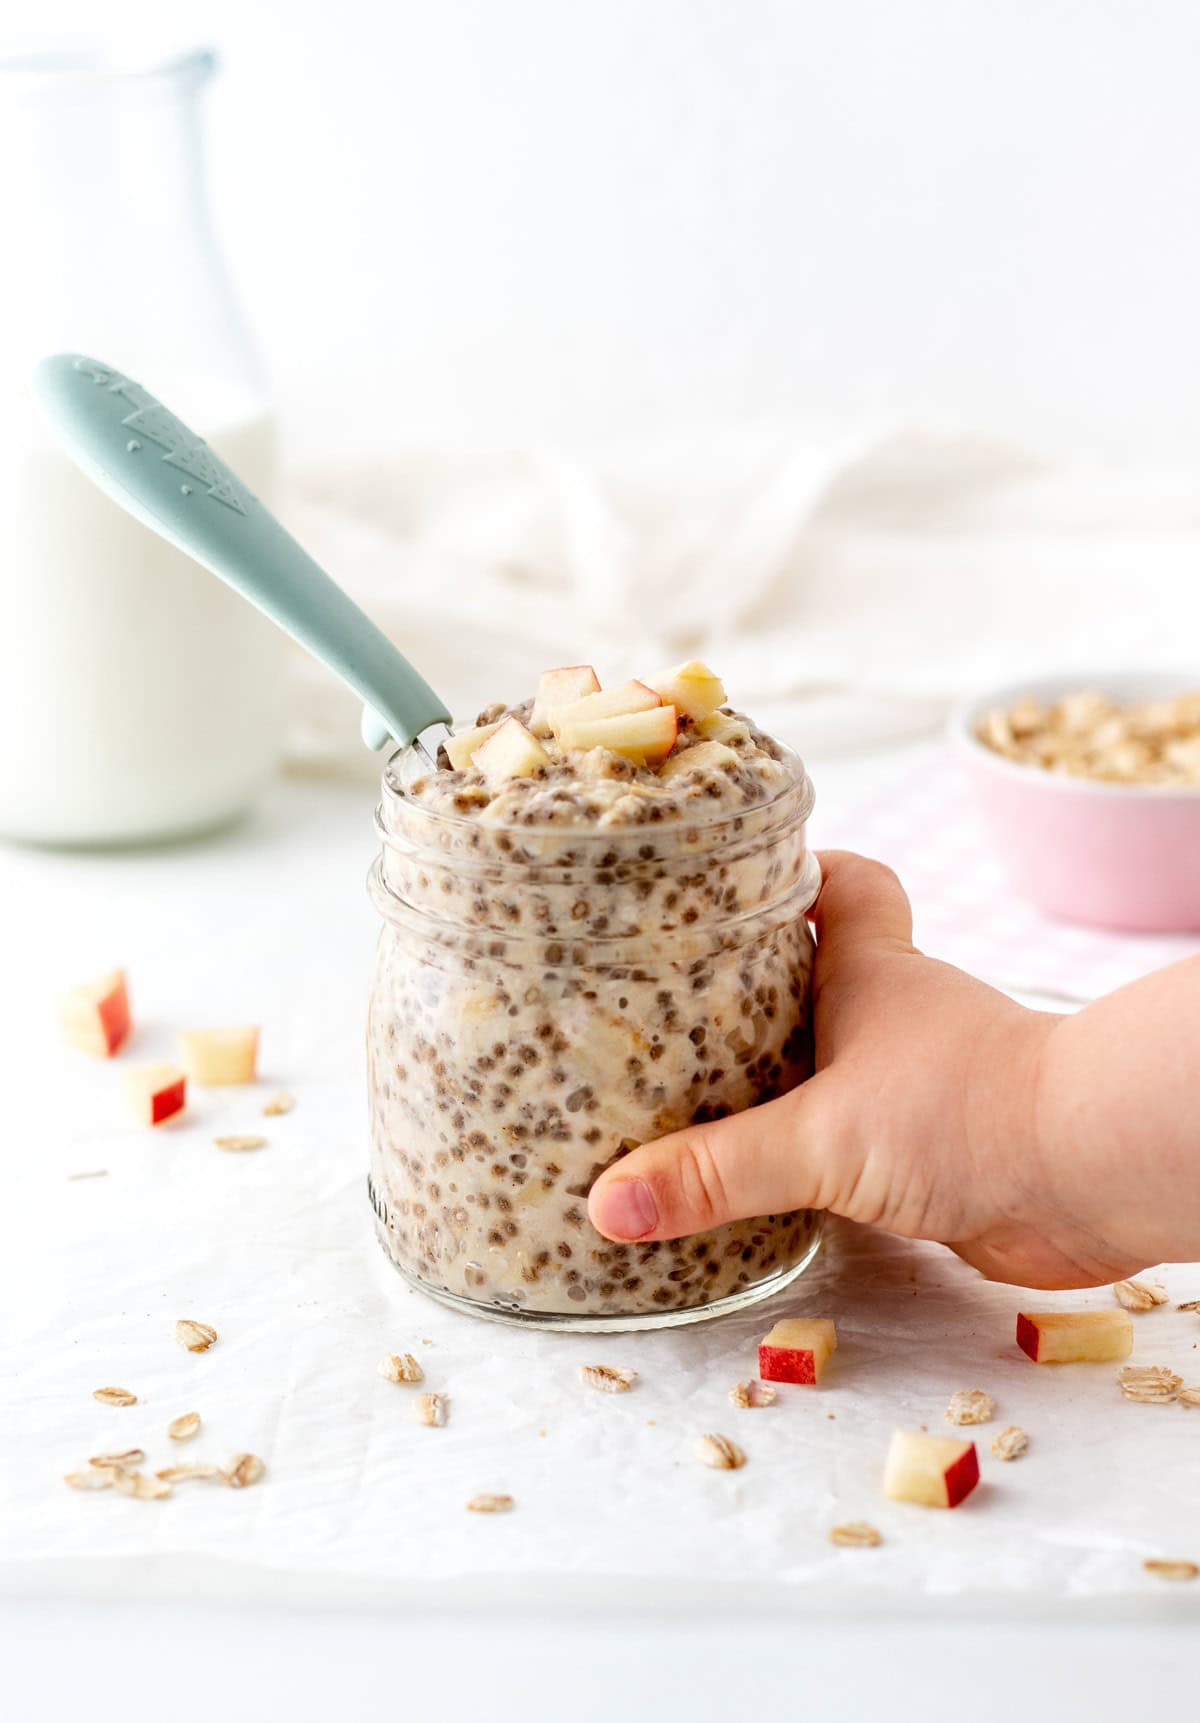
[158, 470]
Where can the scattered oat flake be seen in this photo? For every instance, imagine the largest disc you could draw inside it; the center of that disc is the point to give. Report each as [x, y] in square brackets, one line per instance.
[194, 1336]
[114, 1396]
[744, 1394]
[94, 1478]
[1189, 1396]
[243, 1470]
[128, 1461]
[855, 1534]
[278, 1104]
[720, 1453]
[1138, 1294]
[239, 1145]
[1010, 1444]
[433, 1408]
[489, 1504]
[183, 1428]
[1153, 1384]
[183, 1474]
[1192, 1304]
[400, 1367]
[607, 1378]
[970, 1406]
[1172, 1569]
[138, 1484]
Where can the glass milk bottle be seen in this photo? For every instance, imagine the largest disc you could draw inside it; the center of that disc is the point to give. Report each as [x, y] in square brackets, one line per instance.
[140, 699]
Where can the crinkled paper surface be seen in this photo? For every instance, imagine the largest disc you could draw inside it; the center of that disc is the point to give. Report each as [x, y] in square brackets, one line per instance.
[273, 1248]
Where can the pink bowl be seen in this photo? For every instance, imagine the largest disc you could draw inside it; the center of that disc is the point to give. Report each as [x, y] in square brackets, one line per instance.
[1112, 855]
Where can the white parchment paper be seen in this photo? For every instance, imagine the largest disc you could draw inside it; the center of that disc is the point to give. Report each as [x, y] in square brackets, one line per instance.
[274, 1250]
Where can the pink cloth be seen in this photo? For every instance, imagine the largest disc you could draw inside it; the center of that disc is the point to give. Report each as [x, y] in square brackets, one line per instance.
[927, 826]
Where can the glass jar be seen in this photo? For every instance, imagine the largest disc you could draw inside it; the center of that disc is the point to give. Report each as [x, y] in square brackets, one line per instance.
[548, 998]
[120, 658]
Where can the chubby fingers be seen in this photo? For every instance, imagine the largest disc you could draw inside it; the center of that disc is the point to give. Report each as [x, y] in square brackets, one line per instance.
[767, 1160]
[861, 903]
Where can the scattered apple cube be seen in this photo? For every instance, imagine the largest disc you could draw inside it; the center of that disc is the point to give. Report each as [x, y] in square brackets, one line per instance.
[460, 749]
[94, 1017]
[720, 727]
[561, 688]
[797, 1350]
[692, 688]
[703, 757]
[219, 1056]
[511, 753]
[1075, 1336]
[612, 703]
[156, 1092]
[640, 736]
[937, 1471]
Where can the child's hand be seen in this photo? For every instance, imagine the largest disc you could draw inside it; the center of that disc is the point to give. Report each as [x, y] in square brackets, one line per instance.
[1046, 1151]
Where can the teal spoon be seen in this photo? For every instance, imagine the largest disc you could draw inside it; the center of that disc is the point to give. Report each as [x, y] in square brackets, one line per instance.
[159, 471]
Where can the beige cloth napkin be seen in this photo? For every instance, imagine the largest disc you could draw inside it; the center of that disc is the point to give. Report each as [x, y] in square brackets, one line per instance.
[847, 593]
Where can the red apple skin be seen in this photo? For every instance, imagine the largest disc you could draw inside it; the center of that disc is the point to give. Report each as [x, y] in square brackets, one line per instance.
[962, 1477]
[786, 1364]
[113, 1012]
[1027, 1336]
[165, 1103]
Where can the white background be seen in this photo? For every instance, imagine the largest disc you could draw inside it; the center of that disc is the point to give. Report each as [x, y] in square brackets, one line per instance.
[570, 219]
[571, 222]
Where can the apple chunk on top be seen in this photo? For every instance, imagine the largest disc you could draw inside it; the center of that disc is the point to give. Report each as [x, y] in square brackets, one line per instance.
[639, 720]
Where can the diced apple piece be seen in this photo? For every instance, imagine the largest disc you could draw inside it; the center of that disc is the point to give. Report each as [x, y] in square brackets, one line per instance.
[460, 749]
[511, 753]
[561, 688]
[720, 727]
[797, 1350]
[612, 703]
[703, 757]
[937, 1471]
[95, 1015]
[1075, 1336]
[156, 1092]
[219, 1056]
[692, 688]
[642, 737]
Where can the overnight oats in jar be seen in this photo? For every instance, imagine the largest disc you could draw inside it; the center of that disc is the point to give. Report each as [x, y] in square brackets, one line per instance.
[593, 934]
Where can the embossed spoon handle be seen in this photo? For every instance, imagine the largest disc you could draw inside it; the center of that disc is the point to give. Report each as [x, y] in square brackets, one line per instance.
[158, 470]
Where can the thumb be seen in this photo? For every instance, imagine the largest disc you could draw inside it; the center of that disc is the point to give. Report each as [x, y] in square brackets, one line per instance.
[787, 1154]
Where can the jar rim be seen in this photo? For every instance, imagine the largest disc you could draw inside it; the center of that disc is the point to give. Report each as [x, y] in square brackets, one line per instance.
[799, 787]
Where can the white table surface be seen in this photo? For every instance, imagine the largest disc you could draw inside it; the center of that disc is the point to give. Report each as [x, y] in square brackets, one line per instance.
[188, 1638]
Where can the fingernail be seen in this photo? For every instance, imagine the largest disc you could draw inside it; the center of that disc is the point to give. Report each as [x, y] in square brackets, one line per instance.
[627, 1208]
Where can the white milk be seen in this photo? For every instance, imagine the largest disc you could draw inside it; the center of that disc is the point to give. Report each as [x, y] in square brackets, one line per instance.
[139, 697]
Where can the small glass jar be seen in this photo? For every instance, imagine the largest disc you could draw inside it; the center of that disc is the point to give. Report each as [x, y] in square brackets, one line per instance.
[547, 998]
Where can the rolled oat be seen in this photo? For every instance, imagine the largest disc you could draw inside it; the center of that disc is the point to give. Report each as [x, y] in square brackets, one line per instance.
[1153, 1384]
[1010, 1443]
[720, 1453]
[970, 1406]
[607, 1378]
[855, 1534]
[194, 1336]
[752, 1394]
[1138, 1294]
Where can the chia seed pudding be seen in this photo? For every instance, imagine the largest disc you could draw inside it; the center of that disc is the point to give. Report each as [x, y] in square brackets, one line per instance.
[574, 961]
